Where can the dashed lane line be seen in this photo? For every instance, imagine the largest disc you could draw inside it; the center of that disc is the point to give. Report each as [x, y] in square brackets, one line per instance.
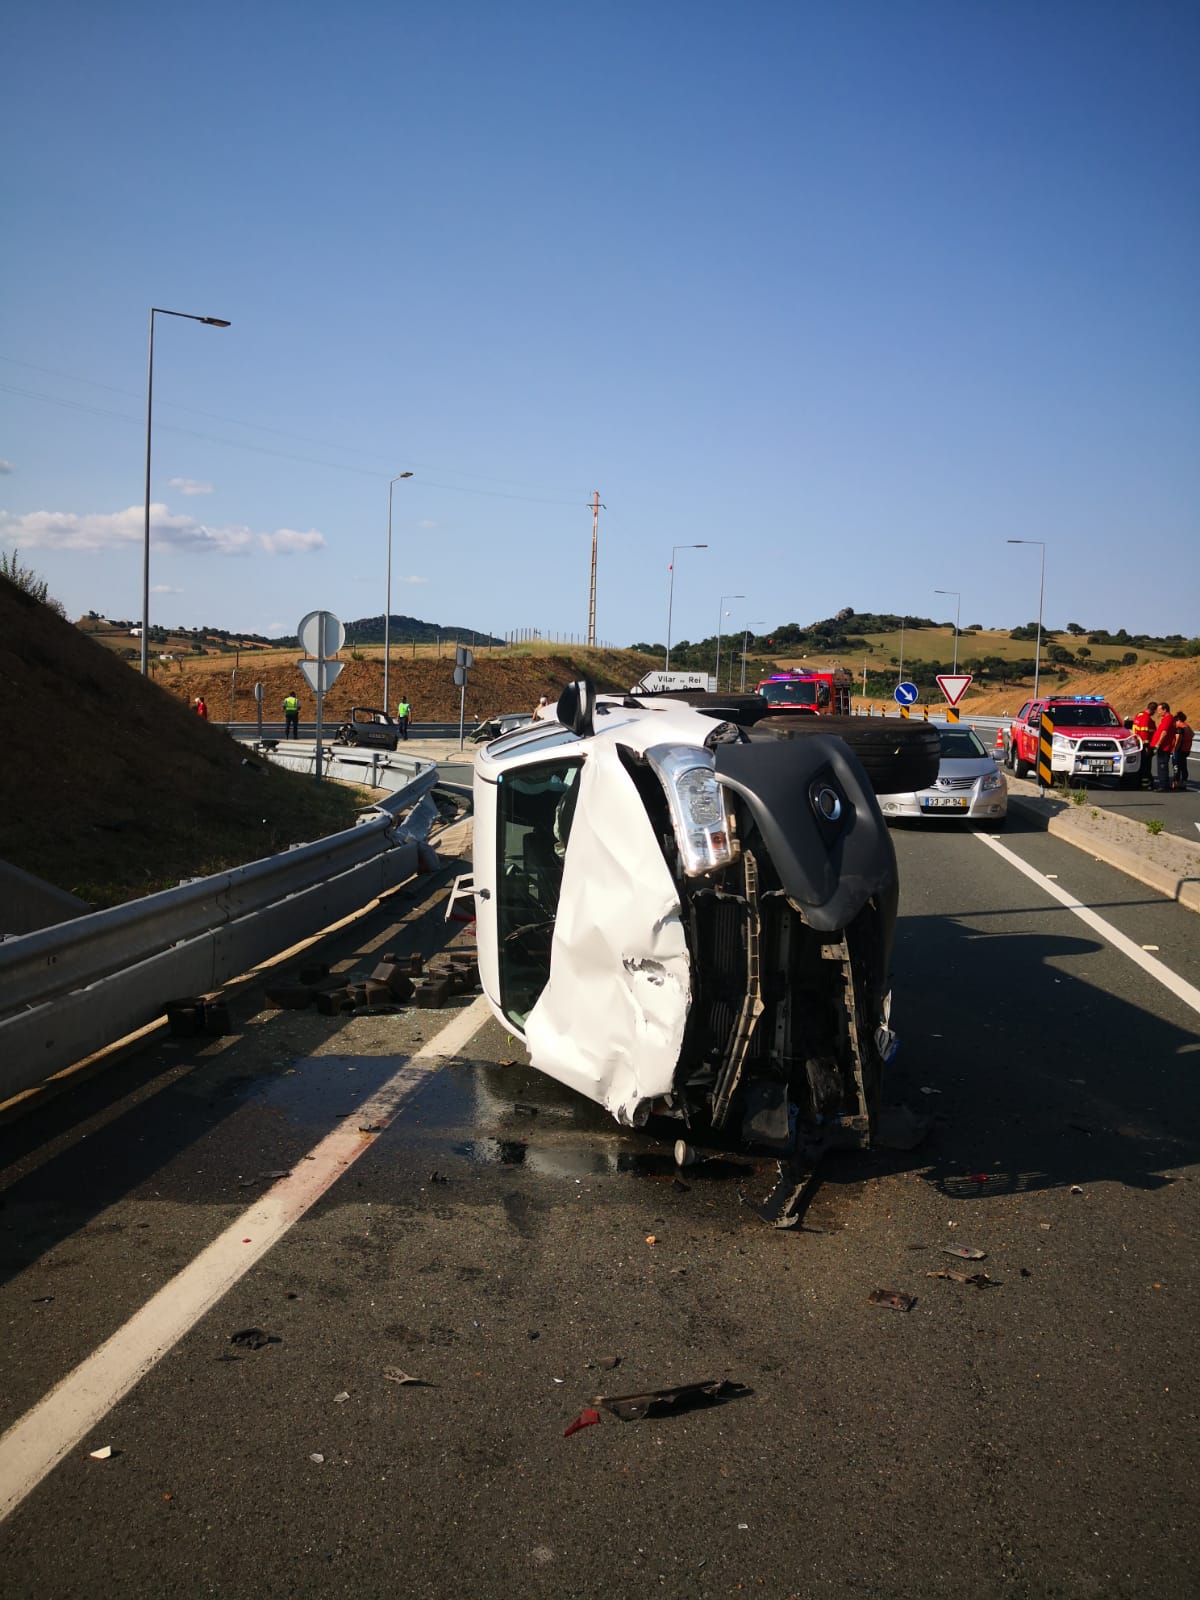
[36, 1443]
[1179, 987]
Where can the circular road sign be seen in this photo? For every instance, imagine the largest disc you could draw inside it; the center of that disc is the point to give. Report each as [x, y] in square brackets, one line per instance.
[321, 633]
[905, 694]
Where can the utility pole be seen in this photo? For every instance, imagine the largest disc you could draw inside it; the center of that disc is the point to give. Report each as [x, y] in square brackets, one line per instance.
[596, 509]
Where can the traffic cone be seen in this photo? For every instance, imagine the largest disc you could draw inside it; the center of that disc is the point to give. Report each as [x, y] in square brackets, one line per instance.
[999, 744]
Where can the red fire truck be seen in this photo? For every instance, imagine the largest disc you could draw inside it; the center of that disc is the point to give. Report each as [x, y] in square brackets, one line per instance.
[822, 693]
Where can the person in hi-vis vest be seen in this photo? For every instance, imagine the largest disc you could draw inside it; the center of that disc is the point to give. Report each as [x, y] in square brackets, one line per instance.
[403, 712]
[291, 717]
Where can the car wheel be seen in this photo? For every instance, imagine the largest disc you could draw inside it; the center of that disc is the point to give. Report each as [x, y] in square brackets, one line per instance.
[898, 757]
[1021, 768]
[744, 709]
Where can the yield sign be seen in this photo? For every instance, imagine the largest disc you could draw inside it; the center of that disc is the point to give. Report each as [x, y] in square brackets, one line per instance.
[954, 685]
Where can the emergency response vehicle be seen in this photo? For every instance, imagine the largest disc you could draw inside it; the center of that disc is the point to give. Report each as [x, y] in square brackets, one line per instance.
[825, 693]
[1090, 740]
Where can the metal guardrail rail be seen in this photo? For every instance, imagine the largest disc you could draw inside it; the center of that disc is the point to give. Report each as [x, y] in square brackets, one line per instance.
[69, 990]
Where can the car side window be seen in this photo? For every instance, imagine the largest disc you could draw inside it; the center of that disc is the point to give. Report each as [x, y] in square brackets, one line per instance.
[1024, 711]
[536, 807]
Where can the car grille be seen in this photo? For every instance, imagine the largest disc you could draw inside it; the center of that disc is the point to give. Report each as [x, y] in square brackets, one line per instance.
[956, 785]
[1107, 747]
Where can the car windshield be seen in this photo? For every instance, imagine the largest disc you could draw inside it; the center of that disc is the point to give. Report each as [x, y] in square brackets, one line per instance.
[792, 694]
[1089, 716]
[961, 744]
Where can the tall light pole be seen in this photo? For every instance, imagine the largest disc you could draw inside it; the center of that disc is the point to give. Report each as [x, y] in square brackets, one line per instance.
[188, 316]
[1037, 665]
[387, 609]
[671, 595]
[597, 507]
[745, 642]
[720, 619]
[957, 614]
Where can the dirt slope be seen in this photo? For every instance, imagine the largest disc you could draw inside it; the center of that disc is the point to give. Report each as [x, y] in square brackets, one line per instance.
[110, 788]
[497, 683]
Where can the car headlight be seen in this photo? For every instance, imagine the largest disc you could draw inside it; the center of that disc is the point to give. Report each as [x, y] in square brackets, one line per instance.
[1061, 742]
[994, 780]
[696, 802]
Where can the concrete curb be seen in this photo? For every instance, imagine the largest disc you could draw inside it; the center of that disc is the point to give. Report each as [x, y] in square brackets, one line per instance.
[1163, 862]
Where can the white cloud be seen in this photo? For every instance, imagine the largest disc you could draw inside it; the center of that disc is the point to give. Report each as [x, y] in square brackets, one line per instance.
[289, 542]
[110, 530]
[164, 588]
[410, 580]
[190, 486]
[6, 467]
[427, 522]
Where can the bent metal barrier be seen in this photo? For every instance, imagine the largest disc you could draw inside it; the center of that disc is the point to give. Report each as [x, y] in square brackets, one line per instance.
[70, 990]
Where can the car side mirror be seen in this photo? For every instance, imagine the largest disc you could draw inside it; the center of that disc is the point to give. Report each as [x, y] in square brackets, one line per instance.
[576, 707]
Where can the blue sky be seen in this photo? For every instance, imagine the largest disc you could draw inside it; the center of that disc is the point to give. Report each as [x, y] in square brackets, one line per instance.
[850, 292]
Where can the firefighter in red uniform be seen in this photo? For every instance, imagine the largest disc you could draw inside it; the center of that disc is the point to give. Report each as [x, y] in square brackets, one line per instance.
[1183, 745]
[1163, 745]
[1143, 726]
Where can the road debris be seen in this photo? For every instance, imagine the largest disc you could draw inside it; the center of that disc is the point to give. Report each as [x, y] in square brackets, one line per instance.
[398, 1375]
[586, 1418]
[609, 1363]
[1076, 1188]
[103, 1454]
[340, 1399]
[317, 1457]
[978, 1280]
[253, 1338]
[965, 1252]
[892, 1299]
[663, 1402]
[651, 1238]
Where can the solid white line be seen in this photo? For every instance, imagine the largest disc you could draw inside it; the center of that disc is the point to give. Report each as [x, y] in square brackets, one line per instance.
[42, 1437]
[1179, 987]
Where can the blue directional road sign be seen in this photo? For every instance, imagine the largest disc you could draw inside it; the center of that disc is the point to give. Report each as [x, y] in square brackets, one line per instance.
[905, 694]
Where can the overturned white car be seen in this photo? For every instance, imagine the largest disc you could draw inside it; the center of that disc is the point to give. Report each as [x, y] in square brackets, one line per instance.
[688, 908]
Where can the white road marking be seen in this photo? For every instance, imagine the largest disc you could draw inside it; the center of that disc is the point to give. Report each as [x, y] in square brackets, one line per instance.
[61, 1420]
[1179, 987]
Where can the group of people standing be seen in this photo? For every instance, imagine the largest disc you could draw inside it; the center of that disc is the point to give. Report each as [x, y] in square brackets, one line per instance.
[1166, 743]
[291, 717]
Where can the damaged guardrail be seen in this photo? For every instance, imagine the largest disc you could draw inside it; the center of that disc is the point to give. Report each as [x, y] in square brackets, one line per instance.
[69, 990]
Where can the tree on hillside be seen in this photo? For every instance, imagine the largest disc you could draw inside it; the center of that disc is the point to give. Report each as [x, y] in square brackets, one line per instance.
[26, 578]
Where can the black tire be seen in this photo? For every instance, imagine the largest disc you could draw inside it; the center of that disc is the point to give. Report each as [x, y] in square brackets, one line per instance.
[897, 756]
[744, 709]
[1021, 769]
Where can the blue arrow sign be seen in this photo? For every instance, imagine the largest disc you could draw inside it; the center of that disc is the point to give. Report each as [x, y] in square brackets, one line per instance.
[905, 694]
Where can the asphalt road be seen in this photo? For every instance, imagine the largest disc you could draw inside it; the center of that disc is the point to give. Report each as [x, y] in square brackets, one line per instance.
[501, 1240]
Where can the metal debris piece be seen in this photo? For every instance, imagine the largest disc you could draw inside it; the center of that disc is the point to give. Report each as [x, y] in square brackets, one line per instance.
[979, 1280]
[253, 1338]
[965, 1252]
[398, 1375]
[662, 1402]
[586, 1418]
[103, 1454]
[1076, 1188]
[317, 1457]
[340, 1399]
[892, 1299]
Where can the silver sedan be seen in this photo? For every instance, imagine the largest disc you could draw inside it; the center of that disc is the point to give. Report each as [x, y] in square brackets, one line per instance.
[967, 786]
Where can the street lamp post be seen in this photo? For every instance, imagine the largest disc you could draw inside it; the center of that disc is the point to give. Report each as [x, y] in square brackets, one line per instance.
[387, 609]
[188, 316]
[1037, 664]
[957, 614]
[720, 619]
[671, 595]
[745, 642]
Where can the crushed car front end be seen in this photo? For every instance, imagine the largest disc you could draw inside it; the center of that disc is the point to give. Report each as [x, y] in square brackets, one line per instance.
[677, 916]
